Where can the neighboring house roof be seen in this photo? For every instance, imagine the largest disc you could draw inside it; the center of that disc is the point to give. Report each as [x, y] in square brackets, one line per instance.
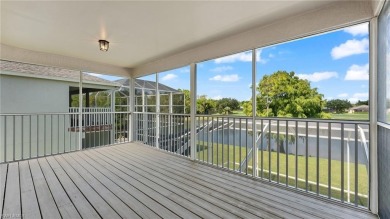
[47, 72]
[150, 85]
[361, 107]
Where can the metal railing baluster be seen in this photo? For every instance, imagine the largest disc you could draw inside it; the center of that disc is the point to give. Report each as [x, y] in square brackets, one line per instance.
[307, 158]
[277, 152]
[287, 153]
[342, 163]
[356, 166]
[269, 150]
[262, 149]
[318, 160]
[329, 160]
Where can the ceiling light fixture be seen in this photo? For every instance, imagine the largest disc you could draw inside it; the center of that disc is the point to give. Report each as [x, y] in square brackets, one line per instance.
[103, 44]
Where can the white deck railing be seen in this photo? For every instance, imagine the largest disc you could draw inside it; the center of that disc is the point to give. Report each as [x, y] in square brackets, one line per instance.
[327, 158]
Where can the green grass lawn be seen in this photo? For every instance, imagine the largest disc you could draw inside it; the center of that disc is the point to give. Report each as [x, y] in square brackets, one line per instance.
[350, 116]
[231, 158]
[234, 113]
[339, 116]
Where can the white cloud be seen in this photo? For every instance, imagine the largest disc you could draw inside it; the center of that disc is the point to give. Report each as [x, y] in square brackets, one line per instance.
[358, 30]
[351, 47]
[343, 95]
[358, 96]
[217, 97]
[168, 77]
[225, 78]
[222, 69]
[318, 76]
[357, 72]
[242, 57]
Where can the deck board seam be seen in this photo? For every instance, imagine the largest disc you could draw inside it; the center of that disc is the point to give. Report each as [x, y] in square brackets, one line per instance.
[213, 189]
[190, 189]
[35, 191]
[225, 172]
[20, 192]
[151, 189]
[228, 189]
[130, 183]
[76, 154]
[51, 193]
[102, 185]
[88, 185]
[5, 189]
[60, 184]
[97, 212]
[126, 183]
[191, 201]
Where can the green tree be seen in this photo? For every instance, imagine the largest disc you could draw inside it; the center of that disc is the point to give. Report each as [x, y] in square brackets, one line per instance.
[338, 105]
[205, 105]
[283, 94]
[361, 102]
[232, 103]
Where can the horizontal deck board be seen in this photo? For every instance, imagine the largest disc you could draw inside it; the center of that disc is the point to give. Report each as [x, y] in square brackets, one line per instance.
[137, 181]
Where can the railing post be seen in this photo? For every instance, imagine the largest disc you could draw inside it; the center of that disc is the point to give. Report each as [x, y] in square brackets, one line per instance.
[157, 137]
[254, 135]
[144, 119]
[80, 111]
[113, 119]
[131, 116]
[373, 162]
[193, 110]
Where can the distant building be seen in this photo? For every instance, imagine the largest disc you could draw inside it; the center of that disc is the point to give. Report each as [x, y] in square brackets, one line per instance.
[357, 109]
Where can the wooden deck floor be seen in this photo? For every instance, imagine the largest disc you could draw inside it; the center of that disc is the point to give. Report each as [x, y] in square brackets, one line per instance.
[135, 181]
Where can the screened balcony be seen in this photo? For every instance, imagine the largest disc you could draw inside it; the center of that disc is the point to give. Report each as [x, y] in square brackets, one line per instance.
[234, 117]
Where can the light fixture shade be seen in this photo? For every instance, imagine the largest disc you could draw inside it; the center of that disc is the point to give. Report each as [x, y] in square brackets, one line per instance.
[103, 45]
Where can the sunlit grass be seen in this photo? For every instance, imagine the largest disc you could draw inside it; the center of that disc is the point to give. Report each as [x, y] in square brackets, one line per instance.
[230, 157]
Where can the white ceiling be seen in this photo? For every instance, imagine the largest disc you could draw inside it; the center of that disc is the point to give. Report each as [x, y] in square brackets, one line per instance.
[139, 31]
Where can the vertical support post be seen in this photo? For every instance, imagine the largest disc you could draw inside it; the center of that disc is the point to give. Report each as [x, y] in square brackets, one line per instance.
[255, 172]
[373, 162]
[81, 111]
[170, 116]
[144, 118]
[132, 116]
[157, 137]
[193, 110]
[113, 120]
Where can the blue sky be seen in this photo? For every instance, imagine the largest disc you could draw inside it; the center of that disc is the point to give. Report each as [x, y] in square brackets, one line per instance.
[335, 62]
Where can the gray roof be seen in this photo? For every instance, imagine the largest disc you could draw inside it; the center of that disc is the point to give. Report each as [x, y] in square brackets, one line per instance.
[361, 107]
[150, 85]
[52, 72]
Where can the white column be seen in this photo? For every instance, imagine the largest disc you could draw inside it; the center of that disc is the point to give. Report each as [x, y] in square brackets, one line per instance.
[193, 110]
[254, 131]
[157, 137]
[170, 112]
[113, 118]
[373, 201]
[81, 111]
[144, 117]
[131, 110]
